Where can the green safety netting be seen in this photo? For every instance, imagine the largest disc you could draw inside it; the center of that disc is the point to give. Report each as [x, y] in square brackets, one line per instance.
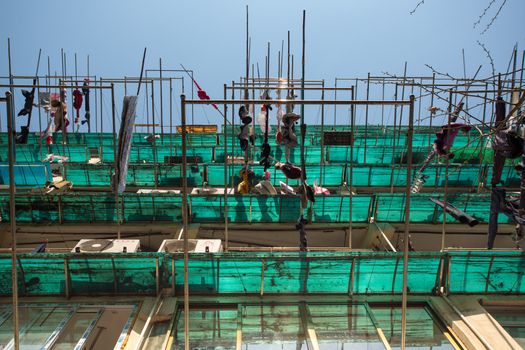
[100, 207]
[269, 273]
[329, 175]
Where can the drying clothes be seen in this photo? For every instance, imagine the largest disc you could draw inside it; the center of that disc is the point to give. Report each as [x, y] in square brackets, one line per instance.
[457, 214]
[243, 136]
[261, 120]
[508, 145]
[60, 111]
[28, 104]
[265, 156]
[55, 157]
[445, 138]
[265, 186]
[151, 138]
[286, 189]
[44, 100]
[127, 120]
[289, 138]
[289, 170]
[279, 134]
[300, 226]
[244, 186]
[85, 91]
[77, 104]
[499, 203]
[320, 190]
[499, 160]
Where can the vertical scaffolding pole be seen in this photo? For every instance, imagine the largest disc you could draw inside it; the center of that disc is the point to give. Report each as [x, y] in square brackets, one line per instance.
[322, 137]
[161, 104]
[12, 216]
[410, 133]
[185, 224]
[351, 175]
[224, 129]
[447, 161]
[366, 116]
[115, 160]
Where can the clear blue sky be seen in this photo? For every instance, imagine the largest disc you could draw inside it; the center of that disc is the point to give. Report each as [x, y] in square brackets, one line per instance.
[344, 38]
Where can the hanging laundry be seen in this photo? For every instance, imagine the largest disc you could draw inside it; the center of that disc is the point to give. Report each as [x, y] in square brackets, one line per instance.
[289, 170]
[279, 134]
[85, 91]
[320, 190]
[265, 151]
[44, 100]
[77, 104]
[307, 194]
[55, 157]
[447, 135]
[441, 147]
[244, 186]
[265, 186]
[508, 206]
[59, 109]
[27, 110]
[285, 188]
[245, 129]
[28, 103]
[300, 226]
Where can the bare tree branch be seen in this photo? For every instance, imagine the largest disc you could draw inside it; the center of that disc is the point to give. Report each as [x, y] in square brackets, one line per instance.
[494, 18]
[484, 13]
[489, 56]
[418, 4]
[439, 73]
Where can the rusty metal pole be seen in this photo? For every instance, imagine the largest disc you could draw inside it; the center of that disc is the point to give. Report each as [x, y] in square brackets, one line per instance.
[12, 216]
[115, 160]
[406, 235]
[185, 225]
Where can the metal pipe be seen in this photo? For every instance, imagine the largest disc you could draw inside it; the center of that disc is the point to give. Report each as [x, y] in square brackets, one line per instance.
[301, 102]
[226, 240]
[407, 223]
[185, 225]
[12, 216]
[117, 175]
[161, 104]
[314, 88]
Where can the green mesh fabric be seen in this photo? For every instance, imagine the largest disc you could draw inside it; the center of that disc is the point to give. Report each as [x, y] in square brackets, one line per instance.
[100, 207]
[270, 273]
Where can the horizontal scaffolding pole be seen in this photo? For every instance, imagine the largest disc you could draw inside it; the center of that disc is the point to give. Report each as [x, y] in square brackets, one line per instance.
[298, 102]
[288, 88]
[27, 86]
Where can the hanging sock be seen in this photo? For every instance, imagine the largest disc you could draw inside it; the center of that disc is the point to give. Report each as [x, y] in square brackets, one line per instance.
[319, 189]
[300, 226]
[243, 136]
[77, 104]
[289, 170]
[28, 104]
[286, 189]
[85, 91]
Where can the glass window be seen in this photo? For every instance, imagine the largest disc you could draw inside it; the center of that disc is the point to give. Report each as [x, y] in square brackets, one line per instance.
[422, 331]
[512, 319]
[344, 327]
[75, 328]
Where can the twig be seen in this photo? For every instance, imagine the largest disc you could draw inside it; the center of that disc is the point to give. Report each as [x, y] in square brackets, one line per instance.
[494, 18]
[415, 8]
[487, 52]
[439, 73]
[484, 13]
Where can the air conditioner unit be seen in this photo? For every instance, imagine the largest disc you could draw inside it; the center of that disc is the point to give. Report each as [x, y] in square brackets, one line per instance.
[107, 246]
[194, 246]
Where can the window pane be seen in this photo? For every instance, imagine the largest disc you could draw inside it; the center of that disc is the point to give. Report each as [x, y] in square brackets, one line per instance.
[422, 331]
[74, 329]
[344, 326]
[209, 329]
[37, 331]
[512, 319]
[272, 327]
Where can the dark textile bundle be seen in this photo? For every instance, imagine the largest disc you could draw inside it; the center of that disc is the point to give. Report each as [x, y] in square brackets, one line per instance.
[445, 138]
[289, 170]
[509, 207]
[85, 91]
[300, 226]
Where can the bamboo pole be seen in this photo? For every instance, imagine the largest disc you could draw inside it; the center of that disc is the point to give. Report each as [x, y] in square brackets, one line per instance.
[12, 217]
[185, 225]
[406, 235]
